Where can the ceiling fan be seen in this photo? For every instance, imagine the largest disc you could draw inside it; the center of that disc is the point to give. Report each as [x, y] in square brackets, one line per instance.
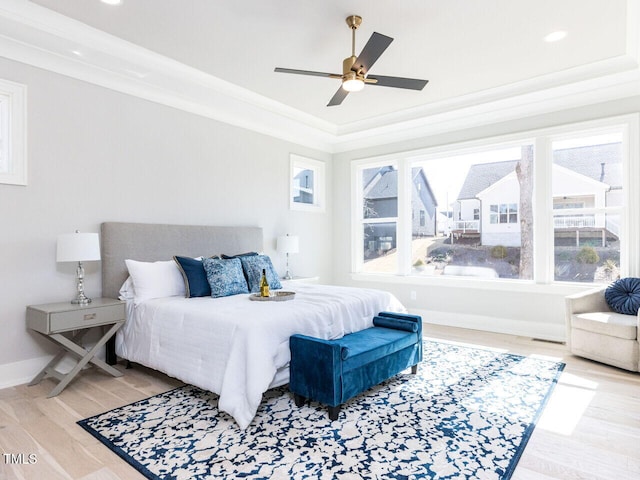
[355, 69]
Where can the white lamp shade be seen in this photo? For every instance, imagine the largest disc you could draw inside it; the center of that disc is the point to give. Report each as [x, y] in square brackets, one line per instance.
[288, 244]
[78, 247]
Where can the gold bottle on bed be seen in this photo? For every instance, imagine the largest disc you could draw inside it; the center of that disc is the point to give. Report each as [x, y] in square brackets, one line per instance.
[264, 285]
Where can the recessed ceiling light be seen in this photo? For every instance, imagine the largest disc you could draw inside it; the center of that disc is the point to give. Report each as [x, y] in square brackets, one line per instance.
[555, 36]
[112, 2]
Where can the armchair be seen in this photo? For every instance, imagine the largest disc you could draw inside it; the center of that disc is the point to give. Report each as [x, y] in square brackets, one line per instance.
[596, 332]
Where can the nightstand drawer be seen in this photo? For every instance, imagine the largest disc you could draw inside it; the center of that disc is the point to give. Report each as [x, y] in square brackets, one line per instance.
[85, 318]
[62, 317]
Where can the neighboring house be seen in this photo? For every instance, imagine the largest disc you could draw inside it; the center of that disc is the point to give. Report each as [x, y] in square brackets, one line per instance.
[380, 196]
[487, 206]
[303, 187]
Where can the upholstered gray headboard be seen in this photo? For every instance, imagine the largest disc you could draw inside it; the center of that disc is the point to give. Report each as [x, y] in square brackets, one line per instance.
[151, 242]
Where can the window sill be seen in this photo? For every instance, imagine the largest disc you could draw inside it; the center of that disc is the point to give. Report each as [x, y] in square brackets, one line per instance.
[558, 288]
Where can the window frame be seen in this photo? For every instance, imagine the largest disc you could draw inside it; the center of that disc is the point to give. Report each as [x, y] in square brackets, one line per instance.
[541, 139]
[13, 133]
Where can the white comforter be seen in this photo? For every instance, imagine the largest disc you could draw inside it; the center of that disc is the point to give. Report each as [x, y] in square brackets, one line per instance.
[234, 346]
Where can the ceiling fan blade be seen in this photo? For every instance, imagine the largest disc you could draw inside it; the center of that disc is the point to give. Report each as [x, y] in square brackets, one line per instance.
[376, 45]
[398, 82]
[307, 72]
[338, 97]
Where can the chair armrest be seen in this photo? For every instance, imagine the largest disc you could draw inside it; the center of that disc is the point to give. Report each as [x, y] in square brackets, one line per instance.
[588, 301]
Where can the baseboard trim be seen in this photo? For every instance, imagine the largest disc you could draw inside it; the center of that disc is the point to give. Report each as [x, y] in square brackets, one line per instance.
[17, 373]
[540, 330]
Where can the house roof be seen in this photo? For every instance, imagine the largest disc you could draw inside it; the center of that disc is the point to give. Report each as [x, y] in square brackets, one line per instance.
[386, 186]
[483, 175]
[598, 162]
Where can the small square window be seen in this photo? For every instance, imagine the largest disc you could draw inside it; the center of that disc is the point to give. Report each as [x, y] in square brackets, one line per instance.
[306, 184]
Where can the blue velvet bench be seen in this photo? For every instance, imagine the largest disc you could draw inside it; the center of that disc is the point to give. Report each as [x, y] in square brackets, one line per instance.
[333, 371]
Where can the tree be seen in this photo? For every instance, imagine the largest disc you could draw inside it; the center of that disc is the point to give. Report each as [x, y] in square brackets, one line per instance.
[524, 172]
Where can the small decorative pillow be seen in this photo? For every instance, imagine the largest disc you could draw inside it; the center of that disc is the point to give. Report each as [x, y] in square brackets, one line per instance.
[225, 277]
[195, 277]
[155, 279]
[623, 296]
[253, 266]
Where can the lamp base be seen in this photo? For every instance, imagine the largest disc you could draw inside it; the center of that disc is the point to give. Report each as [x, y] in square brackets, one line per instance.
[287, 276]
[81, 298]
[83, 301]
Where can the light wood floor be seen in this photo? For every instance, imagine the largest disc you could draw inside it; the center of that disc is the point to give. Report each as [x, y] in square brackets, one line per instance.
[590, 428]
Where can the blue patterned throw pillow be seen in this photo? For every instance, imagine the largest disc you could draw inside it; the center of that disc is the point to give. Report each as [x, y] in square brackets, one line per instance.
[623, 296]
[225, 277]
[253, 266]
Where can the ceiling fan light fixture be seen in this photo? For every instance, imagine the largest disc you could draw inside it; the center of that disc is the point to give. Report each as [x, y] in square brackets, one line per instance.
[355, 69]
[353, 85]
[352, 82]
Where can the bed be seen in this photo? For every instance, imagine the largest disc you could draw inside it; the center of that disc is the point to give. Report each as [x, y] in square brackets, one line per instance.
[230, 345]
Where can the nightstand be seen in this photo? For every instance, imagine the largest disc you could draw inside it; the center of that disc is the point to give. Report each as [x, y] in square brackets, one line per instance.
[53, 319]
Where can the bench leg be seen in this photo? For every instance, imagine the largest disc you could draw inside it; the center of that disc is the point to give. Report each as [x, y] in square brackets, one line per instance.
[334, 412]
[414, 369]
[299, 400]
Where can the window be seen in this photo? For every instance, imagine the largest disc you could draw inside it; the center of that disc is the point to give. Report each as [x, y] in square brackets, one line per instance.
[13, 158]
[503, 213]
[378, 187]
[551, 207]
[588, 201]
[307, 184]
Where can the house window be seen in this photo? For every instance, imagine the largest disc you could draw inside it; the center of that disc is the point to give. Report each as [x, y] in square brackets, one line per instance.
[502, 213]
[548, 208]
[13, 158]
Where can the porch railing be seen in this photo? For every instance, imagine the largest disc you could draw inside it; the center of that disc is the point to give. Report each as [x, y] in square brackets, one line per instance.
[577, 221]
[466, 225]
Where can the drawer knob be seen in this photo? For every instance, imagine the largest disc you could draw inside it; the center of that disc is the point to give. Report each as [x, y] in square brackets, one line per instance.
[90, 316]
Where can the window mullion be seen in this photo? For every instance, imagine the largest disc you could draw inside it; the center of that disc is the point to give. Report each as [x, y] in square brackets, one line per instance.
[543, 250]
[404, 217]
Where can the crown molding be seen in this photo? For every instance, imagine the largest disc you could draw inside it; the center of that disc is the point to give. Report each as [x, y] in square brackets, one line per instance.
[37, 36]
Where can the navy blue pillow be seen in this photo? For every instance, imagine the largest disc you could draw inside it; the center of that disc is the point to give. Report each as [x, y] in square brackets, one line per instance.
[623, 296]
[247, 254]
[253, 266]
[195, 277]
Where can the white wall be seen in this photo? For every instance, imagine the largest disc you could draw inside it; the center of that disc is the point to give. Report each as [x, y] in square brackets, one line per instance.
[530, 310]
[96, 155]
[505, 191]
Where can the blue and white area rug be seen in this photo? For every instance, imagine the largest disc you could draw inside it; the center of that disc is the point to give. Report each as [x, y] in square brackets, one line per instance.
[467, 414]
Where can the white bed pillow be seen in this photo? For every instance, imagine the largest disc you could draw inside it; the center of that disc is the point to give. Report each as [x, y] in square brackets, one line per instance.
[155, 279]
[127, 291]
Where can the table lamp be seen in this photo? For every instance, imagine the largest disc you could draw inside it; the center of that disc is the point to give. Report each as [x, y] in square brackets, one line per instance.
[78, 247]
[287, 244]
